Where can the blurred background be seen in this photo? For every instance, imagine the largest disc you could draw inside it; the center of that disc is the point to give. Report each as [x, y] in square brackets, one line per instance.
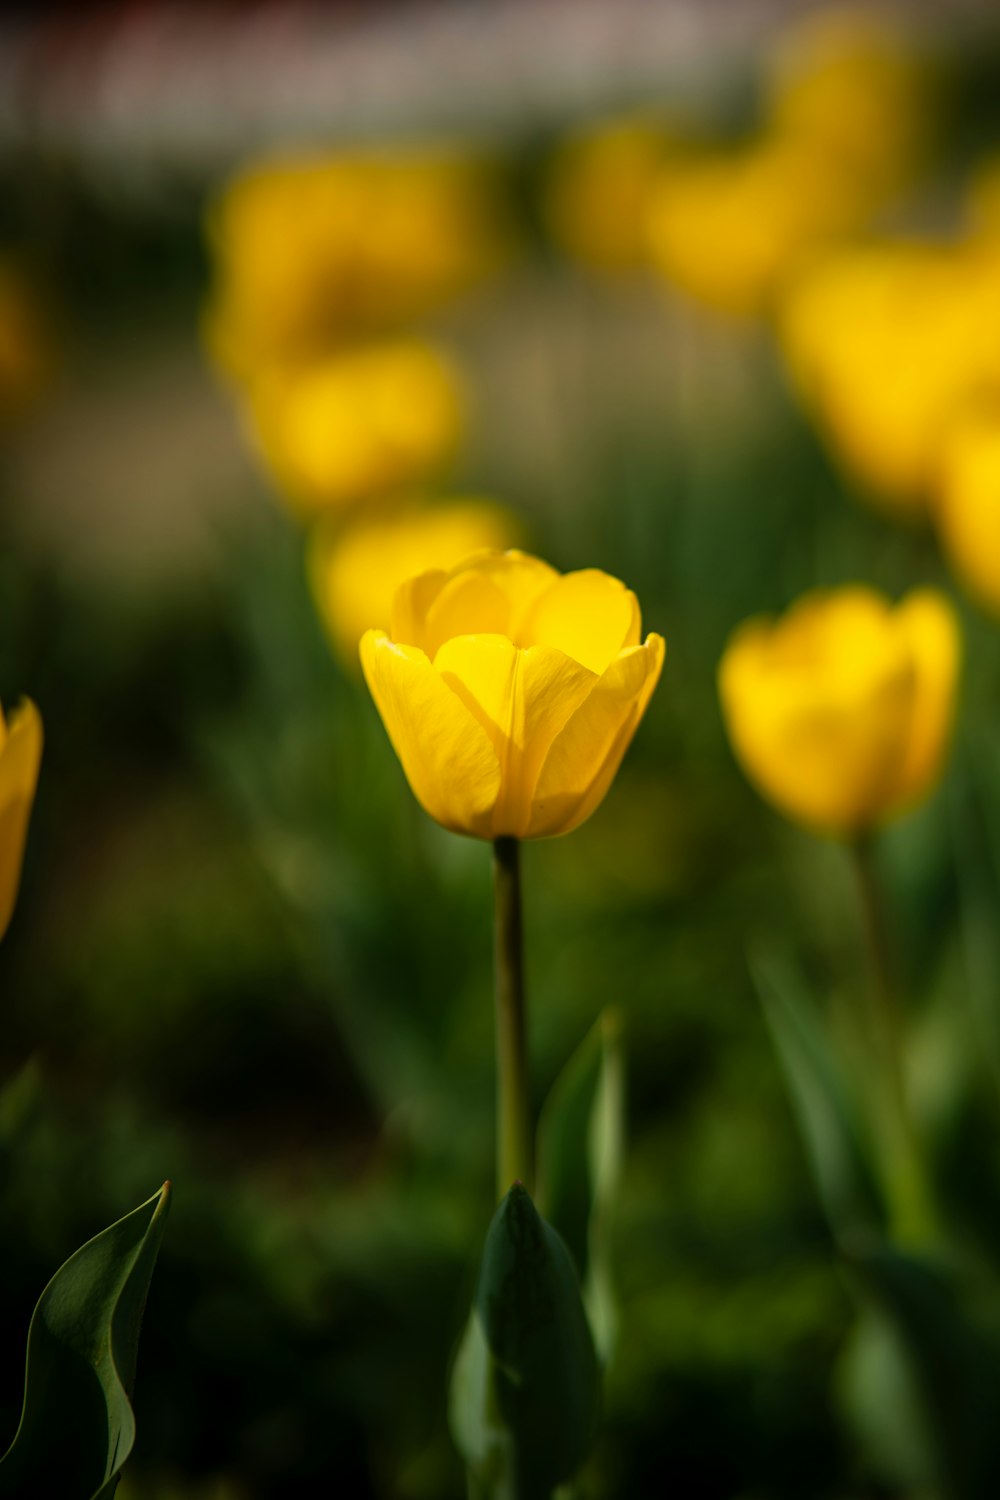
[294, 300]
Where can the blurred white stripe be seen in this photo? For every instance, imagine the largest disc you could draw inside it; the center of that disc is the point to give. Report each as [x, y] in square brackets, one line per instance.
[181, 87]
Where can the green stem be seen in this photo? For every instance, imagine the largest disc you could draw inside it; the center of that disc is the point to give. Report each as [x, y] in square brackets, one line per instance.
[910, 1206]
[514, 1154]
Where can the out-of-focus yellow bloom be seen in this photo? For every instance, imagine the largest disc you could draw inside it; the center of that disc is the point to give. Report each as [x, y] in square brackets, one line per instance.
[312, 250]
[727, 225]
[840, 712]
[885, 343]
[599, 189]
[355, 571]
[844, 113]
[847, 85]
[967, 509]
[365, 422]
[510, 692]
[20, 755]
[25, 346]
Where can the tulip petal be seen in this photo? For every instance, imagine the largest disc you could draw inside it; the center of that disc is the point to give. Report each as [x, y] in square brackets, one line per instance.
[928, 623]
[837, 637]
[522, 699]
[410, 604]
[449, 761]
[485, 595]
[586, 754]
[589, 615]
[20, 755]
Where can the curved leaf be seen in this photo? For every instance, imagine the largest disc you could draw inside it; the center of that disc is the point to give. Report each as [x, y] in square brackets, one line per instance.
[831, 1128]
[77, 1426]
[580, 1155]
[473, 1412]
[952, 1360]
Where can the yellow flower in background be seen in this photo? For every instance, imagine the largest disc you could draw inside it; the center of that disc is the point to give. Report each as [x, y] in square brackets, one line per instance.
[967, 509]
[20, 756]
[313, 250]
[885, 343]
[727, 225]
[847, 84]
[598, 192]
[844, 113]
[356, 570]
[511, 692]
[840, 711]
[368, 421]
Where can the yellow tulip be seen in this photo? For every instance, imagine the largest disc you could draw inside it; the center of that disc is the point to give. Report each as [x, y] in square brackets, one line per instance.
[310, 250]
[598, 192]
[727, 225]
[845, 82]
[885, 343]
[366, 422]
[967, 510]
[511, 692]
[20, 755]
[840, 712]
[356, 570]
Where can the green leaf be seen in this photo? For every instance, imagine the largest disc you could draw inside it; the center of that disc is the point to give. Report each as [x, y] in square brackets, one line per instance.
[546, 1380]
[77, 1426]
[473, 1413]
[828, 1118]
[952, 1359]
[880, 1404]
[580, 1157]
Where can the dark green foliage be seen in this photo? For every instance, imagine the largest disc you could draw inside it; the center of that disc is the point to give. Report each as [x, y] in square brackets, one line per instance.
[77, 1426]
[526, 1387]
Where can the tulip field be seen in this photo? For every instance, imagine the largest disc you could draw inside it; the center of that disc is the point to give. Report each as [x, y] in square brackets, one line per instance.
[500, 756]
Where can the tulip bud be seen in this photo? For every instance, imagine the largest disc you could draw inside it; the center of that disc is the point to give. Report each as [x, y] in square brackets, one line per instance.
[511, 692]
[840, 712]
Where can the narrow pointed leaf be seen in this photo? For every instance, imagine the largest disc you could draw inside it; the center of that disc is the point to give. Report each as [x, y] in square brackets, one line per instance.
[473, 1413]
[580, 1158]
[953, 1360]
[77, 1426]
[830, 1124]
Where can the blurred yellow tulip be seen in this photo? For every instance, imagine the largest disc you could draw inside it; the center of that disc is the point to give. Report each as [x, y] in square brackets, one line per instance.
[356, 570]
[967, 510]
[20, 755]
[511, 692]
[598, 192]
[840, 712]
[849, 85]
[365, 422]
[311, 250]
[727, 225]
[885, 343]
